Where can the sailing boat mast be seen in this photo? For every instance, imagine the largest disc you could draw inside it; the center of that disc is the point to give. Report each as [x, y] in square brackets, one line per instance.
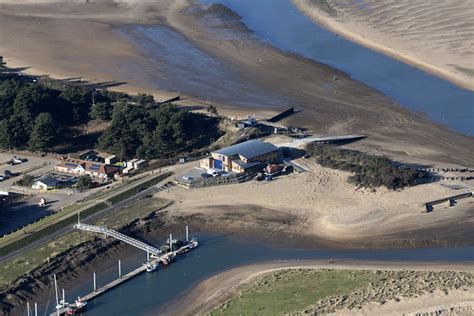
[56, 289]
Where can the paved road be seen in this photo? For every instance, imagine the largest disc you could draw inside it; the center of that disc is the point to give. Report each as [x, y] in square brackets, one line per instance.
[108, 210]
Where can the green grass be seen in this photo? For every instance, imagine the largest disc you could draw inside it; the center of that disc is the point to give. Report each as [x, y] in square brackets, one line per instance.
[40, 224]
[52, 223]
[20, 265]
[292, 290]
[145, 185]
[51, 228]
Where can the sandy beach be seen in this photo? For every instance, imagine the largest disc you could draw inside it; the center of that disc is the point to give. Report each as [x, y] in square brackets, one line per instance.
[219, 288]
[436, 36]
[319, 207]
[112, 61]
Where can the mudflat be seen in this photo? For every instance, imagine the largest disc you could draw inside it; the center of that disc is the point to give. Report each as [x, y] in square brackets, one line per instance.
[50, 38]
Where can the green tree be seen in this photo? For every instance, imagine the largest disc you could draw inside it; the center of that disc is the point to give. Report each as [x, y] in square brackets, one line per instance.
[84, 182]
[26, 181]
[212, 109]
[101, 111]
[44, 133]
[145, 99]
[78, 103]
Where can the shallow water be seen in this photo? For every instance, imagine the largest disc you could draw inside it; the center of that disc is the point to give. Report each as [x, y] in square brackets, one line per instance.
[149, 293]
[279, 23]
[175, 64]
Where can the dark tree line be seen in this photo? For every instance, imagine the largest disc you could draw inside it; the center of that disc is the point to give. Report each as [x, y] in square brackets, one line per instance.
[35, 116]
[369, 171]
[156, 132]
[39, 116]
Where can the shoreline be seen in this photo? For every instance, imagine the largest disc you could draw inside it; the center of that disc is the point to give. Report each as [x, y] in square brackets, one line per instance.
[348, 106]
[318, 16]
[222, 286]
[101, 255]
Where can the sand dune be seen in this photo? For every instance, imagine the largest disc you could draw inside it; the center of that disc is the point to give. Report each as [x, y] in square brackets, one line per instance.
[437, 36]
[218, 288]
[321, 206]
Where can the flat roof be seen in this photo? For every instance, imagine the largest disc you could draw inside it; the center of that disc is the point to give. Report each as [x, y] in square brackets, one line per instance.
[248, 149]
[245, 165]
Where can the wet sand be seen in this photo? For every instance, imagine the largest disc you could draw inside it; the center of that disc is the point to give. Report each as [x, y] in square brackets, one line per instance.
[436, 36]
[217, 289]
[277, 79]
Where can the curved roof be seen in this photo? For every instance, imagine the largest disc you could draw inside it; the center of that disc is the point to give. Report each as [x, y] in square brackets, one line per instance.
[249, 149]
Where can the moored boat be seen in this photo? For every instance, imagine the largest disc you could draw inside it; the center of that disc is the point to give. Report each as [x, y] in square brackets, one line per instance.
[152, 266]
[167, 259]
[193, 243]
[77, 307]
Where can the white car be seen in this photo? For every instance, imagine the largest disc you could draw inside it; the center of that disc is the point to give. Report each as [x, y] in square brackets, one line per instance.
[17, 160]
[2, 178]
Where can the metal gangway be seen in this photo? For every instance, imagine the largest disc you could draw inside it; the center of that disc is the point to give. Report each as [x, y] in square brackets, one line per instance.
[115, 234]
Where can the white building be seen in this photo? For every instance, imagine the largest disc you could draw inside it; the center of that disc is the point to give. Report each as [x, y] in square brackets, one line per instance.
[45, 183]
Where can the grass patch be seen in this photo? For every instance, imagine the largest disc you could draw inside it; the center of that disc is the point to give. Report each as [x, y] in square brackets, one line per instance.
[292, 290]
[11, 269]
[51, 228]
[40, 224]
[50, 224]
[145, 185]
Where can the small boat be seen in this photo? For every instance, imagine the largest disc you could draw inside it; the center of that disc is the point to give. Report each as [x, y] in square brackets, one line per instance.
[77, 307]
[151, 266]
[193, 243]
[170, 257]
[61, 304]
[171, 244]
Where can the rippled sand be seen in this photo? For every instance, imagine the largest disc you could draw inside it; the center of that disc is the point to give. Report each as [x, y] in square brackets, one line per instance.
[437, 36]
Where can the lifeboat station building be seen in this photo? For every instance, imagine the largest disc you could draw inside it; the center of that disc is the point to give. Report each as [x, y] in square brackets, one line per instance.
[242, 157]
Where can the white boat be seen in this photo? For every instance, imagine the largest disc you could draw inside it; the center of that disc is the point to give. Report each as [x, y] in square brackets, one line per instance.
[152, 266]
[59, 303]
[193, 243]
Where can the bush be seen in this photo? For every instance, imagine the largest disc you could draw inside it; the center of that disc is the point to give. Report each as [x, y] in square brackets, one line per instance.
[26, 181]
[84, 182]
[369, 171]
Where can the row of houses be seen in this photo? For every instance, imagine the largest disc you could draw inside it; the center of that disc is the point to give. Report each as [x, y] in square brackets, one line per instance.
[83, 167]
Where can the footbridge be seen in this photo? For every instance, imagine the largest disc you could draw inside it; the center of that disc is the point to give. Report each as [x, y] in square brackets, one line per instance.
[115, 234]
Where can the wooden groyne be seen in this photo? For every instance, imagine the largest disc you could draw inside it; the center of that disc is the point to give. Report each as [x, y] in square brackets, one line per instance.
[282, 115]
[451, 201]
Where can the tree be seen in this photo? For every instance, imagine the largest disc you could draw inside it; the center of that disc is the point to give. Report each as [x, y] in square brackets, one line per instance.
[44, 133]
[84, 182]
[78, 103]
[212, 109]
[101, 111]
[145, 99]
[26, 181]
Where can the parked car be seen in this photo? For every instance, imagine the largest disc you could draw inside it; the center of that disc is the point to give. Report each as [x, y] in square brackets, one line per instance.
[2, 178]
[8, 174]
[18, 160]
